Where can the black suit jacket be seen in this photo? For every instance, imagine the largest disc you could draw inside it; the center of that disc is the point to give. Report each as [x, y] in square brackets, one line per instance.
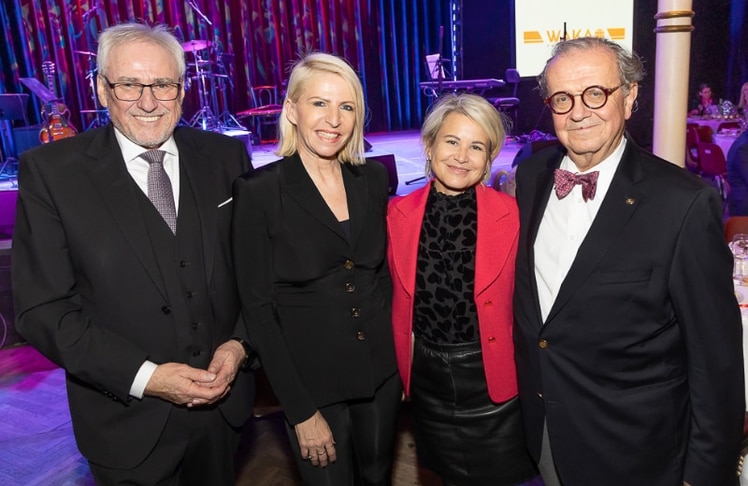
[316, 302]
[638, 367]
[88, 290]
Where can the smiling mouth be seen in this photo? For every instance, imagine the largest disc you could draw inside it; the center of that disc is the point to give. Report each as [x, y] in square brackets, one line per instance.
[147, 118]
[331, 137]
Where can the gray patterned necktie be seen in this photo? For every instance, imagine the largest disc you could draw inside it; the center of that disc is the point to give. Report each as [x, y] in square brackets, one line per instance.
[159, 188]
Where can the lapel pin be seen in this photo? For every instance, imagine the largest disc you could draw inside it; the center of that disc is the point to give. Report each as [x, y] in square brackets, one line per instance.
[630, 201]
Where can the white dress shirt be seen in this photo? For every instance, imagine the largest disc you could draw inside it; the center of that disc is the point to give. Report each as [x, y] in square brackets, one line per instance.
[138, 169]
[564, 226]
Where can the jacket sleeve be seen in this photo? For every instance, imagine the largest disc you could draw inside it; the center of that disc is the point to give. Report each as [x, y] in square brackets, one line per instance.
[252, 259]
[709, 318]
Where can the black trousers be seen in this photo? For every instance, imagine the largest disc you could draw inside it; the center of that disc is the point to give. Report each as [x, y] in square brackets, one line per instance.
[196, 448]
[364, 432]
[462, 435]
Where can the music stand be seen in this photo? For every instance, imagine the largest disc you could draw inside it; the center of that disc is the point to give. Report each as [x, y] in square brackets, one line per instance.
[12, 107]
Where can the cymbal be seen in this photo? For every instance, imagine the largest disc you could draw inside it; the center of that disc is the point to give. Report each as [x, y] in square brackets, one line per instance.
[85, 53]
[195, 45]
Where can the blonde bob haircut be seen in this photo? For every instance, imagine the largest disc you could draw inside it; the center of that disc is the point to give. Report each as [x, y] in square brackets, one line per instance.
[303, 70]
[478, 110]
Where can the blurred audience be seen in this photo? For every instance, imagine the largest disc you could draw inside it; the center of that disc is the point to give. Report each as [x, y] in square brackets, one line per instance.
[703, 104]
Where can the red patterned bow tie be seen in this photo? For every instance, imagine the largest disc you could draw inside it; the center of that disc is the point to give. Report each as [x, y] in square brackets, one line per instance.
[566, 180]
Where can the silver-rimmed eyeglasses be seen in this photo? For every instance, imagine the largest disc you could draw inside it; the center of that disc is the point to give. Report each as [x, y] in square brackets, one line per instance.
[127, 91]
[593, 97]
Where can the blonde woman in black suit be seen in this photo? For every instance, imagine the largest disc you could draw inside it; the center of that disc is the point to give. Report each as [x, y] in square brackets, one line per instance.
[309, 242]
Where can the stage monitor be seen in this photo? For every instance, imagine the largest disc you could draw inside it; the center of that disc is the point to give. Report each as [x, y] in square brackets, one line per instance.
[539, 25]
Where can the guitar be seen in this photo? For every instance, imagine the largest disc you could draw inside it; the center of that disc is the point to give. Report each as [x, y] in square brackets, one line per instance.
[55, 113]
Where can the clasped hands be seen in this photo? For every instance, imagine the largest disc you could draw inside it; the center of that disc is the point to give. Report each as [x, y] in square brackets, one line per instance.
[182, 384]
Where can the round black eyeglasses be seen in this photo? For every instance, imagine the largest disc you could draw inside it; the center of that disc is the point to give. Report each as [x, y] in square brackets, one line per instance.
[593, 97]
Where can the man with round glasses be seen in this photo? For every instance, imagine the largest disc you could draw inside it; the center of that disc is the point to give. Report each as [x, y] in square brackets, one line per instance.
[122, 274]
[627, 331]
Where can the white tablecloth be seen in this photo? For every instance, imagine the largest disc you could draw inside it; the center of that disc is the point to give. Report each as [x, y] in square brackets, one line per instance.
[724, 141]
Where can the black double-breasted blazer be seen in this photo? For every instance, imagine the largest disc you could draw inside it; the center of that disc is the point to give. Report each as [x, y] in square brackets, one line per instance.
[316, 300]
[89, 291]
[638, 367]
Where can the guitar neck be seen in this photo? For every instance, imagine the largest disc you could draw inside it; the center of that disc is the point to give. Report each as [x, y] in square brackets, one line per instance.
[48, 68]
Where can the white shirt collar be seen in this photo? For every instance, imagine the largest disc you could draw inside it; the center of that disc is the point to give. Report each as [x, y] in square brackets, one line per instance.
[131, 150]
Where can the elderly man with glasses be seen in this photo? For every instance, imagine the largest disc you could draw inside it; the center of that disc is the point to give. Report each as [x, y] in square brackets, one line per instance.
[627, 331]
[123, 275]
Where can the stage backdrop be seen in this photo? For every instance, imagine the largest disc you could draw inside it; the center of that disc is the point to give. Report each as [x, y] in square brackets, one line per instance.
[254, 40]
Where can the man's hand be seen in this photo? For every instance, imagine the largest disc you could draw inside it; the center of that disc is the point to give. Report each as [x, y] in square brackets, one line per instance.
[226, 362]
[184, 385]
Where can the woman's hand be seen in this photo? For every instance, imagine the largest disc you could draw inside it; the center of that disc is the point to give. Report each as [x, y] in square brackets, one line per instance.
[315, 440]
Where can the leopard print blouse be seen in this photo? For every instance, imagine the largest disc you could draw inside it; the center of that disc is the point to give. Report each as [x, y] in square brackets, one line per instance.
[444, 309]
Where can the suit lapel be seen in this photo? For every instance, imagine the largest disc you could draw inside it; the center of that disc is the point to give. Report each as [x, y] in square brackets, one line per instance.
[405, 218]
[620, 203]
[493, 244]
[297, 185]
[195, 165]
[110, 177]
[357, 195]
[543, 185]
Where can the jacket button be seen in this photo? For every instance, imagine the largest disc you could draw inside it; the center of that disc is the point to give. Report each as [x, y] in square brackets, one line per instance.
[196, 353]
[195, 325]
[491, 339]
[166, 310]
[488, 302]
[543, 344]
[540, 395]
[183, 263]
[355, 312]
[190, 294]
[361, 335]
[348, 264]
[350, 287]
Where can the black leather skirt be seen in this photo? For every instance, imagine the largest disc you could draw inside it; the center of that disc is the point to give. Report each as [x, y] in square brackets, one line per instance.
[460, 433]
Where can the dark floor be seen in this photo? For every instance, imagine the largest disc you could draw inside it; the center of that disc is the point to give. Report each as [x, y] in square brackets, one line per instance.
[37, 445]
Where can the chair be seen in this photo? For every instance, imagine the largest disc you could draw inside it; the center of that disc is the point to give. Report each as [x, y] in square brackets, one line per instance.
[713, 165]
[511, 103]
[735, 225]
[705, 133]
[692, 150]
[264, 113]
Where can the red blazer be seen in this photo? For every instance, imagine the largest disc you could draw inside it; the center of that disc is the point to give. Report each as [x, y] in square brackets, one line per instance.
[498, 232]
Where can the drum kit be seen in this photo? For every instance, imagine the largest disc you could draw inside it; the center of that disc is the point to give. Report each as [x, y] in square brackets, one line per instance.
[207, 73]
[211, 77]
[98, 116]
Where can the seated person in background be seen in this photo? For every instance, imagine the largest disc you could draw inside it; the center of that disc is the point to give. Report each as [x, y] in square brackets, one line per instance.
[737, 174]
[743, 101]
[703, 104]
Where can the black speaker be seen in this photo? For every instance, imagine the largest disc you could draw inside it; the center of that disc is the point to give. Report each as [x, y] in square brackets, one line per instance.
[388, 161]
[26, 137]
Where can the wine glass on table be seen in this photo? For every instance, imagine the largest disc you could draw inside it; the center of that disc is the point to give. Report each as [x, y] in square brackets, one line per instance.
[739, 247]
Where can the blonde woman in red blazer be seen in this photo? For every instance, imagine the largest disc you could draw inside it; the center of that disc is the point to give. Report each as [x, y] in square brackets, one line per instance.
[451, 252]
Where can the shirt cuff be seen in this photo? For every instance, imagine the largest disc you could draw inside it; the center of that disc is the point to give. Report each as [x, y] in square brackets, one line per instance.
[141, 379]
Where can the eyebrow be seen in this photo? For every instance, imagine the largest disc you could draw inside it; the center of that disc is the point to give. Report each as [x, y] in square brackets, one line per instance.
[313, 97]
[126, 79]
